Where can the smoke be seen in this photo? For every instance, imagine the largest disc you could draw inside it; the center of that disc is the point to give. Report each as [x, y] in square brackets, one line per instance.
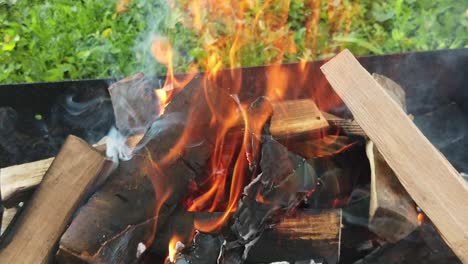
[90, 118]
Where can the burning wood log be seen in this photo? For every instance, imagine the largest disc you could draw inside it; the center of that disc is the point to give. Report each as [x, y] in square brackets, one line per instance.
[290, 119]
[309, 235]
[424, 172]
[65, 184]
[140, 195]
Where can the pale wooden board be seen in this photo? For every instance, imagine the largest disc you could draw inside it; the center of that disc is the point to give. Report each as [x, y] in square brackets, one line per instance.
[21, 178]
[37, 231]
[295, 117]
[424, 172]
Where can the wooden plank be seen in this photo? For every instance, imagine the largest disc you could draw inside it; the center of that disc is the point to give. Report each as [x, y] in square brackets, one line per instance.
[19, 181]
[296, 117]
[424, 172]
[16, 181]
[72, 173]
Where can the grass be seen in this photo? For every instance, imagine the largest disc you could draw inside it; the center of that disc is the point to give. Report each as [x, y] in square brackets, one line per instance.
[44, 40]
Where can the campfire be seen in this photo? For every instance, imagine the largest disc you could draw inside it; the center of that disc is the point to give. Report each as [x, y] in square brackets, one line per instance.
[202, 170]
[310, 162]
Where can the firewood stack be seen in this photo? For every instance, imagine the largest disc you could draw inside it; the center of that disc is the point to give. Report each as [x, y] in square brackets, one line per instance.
[306, 184]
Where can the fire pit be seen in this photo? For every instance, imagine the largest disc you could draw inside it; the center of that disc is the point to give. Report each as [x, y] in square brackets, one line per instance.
[252, 165]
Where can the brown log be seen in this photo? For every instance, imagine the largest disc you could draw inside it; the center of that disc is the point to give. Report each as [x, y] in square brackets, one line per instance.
[140, 195]
[392, 212]
[65, 184]
[425, 173]
[310, 235]
[19, 181]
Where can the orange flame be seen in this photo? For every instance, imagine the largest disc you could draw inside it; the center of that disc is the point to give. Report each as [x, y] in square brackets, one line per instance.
[173, 249]
[226, 39]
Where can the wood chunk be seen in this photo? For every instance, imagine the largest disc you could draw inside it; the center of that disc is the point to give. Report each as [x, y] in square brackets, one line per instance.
[65, 184]
[425, 173]
[19, 180]
[392, 213]
[310, 235]
[296, 117]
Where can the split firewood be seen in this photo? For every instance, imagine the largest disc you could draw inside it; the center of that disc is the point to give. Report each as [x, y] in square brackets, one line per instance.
[65, 184]
[17, 182]
[392, 213]
[142, 193]
[296, 117]
[425, 173]
[309, 235]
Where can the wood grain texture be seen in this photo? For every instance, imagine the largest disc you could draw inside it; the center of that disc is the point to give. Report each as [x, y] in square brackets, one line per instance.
[310, 235]
[424, 172]
[20, 179]
[37, 231]
[296, 117]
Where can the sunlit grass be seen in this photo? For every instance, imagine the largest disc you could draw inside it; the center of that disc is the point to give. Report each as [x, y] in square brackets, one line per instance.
[64, 39]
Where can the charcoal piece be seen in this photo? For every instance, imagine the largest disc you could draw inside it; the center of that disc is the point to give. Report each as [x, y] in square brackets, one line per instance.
[443, 126]
[205, 248]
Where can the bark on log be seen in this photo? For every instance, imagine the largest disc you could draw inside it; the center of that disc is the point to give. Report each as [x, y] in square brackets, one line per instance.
[424, 172]
[310, 235]
[65, 184]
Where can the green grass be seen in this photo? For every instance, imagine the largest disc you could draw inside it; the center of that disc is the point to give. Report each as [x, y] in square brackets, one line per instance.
[63, 39]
